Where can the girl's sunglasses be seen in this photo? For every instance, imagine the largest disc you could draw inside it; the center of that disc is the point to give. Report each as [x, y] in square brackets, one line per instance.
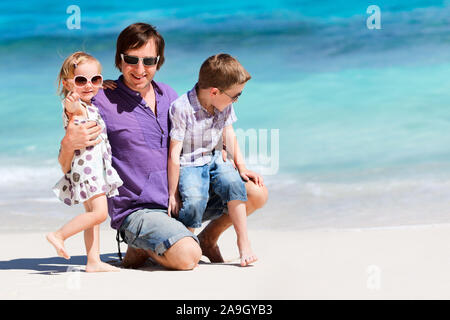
[147, 61]
[81, 81]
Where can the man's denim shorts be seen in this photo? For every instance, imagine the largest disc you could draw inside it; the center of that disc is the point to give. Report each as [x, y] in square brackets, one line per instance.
[198, 184]
[153, 229]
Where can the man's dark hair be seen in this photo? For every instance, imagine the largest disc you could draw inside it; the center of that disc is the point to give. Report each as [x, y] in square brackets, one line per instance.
[137, 35]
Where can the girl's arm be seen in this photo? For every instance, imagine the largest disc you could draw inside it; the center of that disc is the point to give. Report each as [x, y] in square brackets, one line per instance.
[232, 146]
[173, 172]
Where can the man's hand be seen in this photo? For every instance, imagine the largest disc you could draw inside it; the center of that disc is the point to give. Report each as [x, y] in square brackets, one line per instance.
[250, 175]
[78, 136]
[109, 84]
[174, 205]
[82, 135]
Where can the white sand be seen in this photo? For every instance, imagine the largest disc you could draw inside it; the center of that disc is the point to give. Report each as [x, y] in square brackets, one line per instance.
[396, 263]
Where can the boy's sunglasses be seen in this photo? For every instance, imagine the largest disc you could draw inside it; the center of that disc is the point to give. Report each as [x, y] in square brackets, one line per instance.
[233, 99]
[147, 61]
[81, 81]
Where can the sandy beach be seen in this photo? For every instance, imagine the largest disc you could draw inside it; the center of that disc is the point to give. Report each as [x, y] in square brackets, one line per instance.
[410, 262]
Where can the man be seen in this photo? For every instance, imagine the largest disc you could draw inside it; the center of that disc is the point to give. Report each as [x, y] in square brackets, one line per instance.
[136, 116]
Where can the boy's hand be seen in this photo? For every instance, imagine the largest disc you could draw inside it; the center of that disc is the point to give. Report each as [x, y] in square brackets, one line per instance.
[250, 175]
[109, 84]
[225, 157]
[174, 205]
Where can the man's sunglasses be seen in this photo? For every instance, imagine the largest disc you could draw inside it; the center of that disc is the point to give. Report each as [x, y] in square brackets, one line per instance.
[147, 61]
[81, 81]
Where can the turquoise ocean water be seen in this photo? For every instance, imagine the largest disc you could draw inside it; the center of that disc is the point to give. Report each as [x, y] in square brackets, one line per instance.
[362, 115]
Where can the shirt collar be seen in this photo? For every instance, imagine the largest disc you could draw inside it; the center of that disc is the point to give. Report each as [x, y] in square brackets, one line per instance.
[193, 99]
[121, 84]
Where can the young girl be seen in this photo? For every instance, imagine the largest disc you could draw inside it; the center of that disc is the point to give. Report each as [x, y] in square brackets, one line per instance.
[91, 177]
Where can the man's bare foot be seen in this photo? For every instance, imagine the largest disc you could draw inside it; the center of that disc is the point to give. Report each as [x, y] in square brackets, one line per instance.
[101, 267]
[210, 250]
[135, 258]
[246, 253]
[58, 243]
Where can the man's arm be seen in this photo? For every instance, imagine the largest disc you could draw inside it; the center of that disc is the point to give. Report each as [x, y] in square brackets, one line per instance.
[77, 137]
[173, 172]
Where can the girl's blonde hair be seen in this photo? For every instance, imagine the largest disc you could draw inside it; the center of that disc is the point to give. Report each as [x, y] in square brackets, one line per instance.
[68, 69]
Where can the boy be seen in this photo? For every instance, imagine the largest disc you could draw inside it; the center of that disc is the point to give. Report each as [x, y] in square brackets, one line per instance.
[200, 119]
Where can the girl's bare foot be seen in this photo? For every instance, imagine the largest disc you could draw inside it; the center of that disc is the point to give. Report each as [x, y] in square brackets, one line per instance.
[58, 243]
[101, 267]
[246, 253]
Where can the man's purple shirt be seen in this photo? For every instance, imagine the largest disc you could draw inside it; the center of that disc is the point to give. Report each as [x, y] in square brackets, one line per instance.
[140, 144]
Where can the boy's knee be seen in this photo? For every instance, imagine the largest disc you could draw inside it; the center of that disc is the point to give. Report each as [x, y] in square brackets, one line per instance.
[194, 206]
[257, 195]
[234, 185]
[192, 210]
[232, 188]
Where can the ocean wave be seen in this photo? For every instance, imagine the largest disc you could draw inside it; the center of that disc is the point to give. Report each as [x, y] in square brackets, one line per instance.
[296, 201]
[33, 177]
[328, 23]
[302, 185]
[420, 179]
[306, 203]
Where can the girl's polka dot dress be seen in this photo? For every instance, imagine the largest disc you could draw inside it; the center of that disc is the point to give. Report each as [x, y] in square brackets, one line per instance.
[91, 172]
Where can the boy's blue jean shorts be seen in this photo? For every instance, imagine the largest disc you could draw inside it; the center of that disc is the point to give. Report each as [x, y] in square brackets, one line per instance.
[153, 229]
[199, 184]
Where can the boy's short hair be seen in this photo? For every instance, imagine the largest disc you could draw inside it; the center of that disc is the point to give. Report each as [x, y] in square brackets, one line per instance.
[221, 71]
[137, 35]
